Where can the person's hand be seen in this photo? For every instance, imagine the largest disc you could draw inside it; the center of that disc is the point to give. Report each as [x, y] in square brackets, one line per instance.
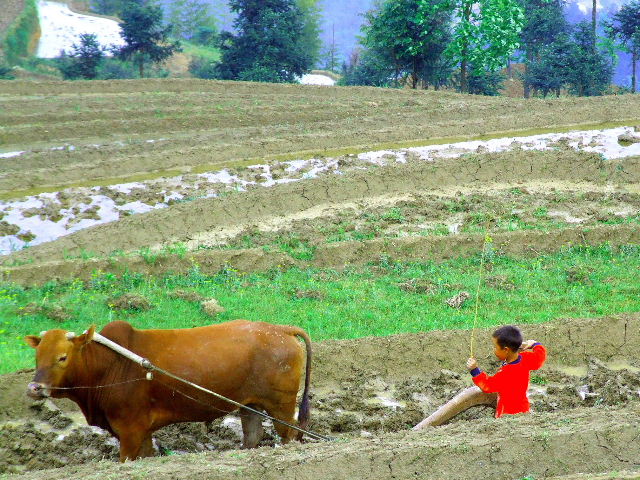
[528, 345]
[472, 363]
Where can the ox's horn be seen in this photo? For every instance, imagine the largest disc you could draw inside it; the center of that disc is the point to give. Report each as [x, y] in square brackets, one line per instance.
[42, 333]
[70, 335]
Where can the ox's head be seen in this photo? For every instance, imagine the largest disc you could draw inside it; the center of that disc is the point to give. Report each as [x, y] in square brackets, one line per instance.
[56, 351]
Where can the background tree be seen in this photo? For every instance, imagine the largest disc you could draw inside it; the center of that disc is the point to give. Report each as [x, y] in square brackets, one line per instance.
[549, 71]
[625, 28]
[438, 70]
[107, 7]
[189, 17]
[485, 82]
[411, 34]
[594, 23]
[146, 39]
[269, 44]
[544, 24]
[367, 67]
[589, 71]
[205, 35]
[329, 55]
[84, 60]
[312, 16]
[485, 35]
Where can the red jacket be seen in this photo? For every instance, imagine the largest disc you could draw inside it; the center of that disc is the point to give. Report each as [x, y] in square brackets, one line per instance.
[511, 381]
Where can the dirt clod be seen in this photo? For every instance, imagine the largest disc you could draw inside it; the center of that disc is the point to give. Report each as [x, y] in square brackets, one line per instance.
[130, 302]
[186, 295]
[212, 308]
[457, 301]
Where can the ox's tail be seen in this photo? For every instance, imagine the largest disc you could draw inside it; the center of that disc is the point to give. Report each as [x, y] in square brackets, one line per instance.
[304, 409]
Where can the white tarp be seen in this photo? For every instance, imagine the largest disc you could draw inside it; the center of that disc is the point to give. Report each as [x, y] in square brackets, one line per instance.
[312, 79]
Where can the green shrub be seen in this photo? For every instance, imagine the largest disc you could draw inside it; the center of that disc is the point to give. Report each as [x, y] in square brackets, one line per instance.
[5, 72]
[201, 67]
[114, 69]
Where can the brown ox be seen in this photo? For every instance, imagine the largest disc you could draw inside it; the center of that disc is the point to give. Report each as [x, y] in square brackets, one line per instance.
[253, 363]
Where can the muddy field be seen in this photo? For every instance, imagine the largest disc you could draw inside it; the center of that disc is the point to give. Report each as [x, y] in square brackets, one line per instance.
[586, 402]
[530, 202]
[124, 130]
[367, 393]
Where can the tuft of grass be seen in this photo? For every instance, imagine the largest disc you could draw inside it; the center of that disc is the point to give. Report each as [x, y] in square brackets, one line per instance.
[394, 215]
[296, 248]
[149, 256]
[541, 212]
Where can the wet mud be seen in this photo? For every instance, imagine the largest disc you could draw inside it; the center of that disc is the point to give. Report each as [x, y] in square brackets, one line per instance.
[367, 394]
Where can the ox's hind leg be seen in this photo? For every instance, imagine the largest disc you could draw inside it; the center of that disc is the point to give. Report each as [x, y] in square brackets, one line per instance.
[147, 450]
[285, 412]
[251, 428]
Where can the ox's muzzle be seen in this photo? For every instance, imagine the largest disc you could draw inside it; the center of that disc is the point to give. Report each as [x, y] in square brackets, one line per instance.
[37, 391]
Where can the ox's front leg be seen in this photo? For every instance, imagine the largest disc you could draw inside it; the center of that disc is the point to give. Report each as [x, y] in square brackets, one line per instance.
[135, 441]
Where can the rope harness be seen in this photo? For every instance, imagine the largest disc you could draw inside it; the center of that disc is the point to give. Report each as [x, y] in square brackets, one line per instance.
[150, 367]
[487, 240]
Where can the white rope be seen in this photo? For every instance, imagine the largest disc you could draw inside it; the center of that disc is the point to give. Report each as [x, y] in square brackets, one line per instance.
[146, 364]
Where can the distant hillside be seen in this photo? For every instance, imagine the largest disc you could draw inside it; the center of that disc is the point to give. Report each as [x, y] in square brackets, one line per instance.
[8, 13]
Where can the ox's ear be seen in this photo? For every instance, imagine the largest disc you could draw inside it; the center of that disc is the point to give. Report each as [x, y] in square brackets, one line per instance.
[32, 340]
[85, 338]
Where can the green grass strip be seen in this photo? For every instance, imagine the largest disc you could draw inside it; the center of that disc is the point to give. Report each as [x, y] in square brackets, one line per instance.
[376, 300]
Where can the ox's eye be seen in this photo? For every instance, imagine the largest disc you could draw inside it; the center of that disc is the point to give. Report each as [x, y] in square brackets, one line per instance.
[62, 359]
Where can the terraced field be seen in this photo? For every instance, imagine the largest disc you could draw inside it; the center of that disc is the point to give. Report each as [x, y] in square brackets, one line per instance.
[176, 143]
[95, 133]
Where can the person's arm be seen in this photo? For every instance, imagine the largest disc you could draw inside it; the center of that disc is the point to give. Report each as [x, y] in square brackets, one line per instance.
[486, 383]
[535, 354]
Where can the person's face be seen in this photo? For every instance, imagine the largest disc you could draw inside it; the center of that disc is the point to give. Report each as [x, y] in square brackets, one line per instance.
[501, 352]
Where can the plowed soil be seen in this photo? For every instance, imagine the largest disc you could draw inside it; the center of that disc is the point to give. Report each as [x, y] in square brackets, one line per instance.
[367, 394]
[200, 125]
[529, 201]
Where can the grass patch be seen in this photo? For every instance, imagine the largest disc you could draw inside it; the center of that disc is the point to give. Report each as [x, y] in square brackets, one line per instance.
[352, 303]
[210, 54]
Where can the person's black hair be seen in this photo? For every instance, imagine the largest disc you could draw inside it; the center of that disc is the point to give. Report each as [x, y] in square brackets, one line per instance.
[508, 336]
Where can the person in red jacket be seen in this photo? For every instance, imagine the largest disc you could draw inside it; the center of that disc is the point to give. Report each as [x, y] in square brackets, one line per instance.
[511, 381]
